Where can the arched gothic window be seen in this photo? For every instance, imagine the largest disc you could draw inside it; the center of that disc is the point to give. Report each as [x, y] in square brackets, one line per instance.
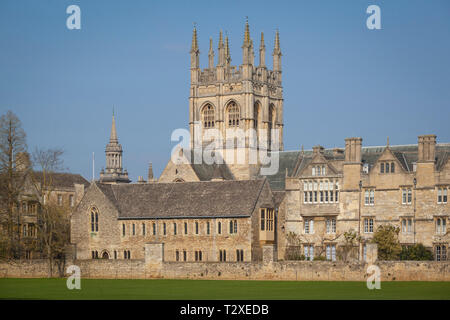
[233, 114]
[94, 220]
[208, 116]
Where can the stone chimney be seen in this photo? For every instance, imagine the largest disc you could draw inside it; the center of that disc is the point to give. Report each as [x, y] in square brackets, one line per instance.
[150, 177]
[427, 148]
[318, 149]
[353, 150]
[141, 179]
[352, 164]
[338, 152]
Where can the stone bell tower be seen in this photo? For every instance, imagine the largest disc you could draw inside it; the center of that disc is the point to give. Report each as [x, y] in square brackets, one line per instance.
[114, 172]
[227, 99]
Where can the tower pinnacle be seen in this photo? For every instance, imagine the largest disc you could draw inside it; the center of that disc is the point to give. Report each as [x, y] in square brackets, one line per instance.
[114, 171]
[194, 46]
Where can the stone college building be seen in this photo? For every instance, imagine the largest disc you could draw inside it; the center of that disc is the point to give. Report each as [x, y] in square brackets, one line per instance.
[229, 211]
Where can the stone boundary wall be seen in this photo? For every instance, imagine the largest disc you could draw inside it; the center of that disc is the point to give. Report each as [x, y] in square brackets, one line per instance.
[281, 270]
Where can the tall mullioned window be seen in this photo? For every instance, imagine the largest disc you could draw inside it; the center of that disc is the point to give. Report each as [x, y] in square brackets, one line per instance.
[368, 225]
[441, 225]
[369, 197]
[208, 116]
[322, 191]
[407, 225]
[233, 115]
[442, 195]
[94, 220]
[331, 225]
[309, 251]
[309, 226]
[233, 226]
[406, 196]
[441, 252]
[267, 219]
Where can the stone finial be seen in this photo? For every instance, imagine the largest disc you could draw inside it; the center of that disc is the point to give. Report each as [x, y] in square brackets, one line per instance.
[387, 142]
[221, 60]
[227, 51]
[277, 49]
[247, 35]
[261, 44]
[262, 52]
[211, 54]
[220, 40]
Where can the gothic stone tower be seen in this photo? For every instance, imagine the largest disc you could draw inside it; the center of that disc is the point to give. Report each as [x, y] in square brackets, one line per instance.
[114, 172]
[227, 98]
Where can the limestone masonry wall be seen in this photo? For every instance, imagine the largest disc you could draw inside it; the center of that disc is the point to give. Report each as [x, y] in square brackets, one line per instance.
[279, 270]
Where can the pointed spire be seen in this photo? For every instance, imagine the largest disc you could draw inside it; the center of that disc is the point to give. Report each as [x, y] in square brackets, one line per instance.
[113, 137]
[194, 46]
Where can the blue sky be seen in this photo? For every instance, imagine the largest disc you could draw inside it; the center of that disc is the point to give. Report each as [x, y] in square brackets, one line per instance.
[340, 79]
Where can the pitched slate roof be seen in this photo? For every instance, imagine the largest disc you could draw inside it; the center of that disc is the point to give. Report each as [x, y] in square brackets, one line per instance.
[295, 161]
[287, 160]
[62, 179]
[205, 172]
[188, 199]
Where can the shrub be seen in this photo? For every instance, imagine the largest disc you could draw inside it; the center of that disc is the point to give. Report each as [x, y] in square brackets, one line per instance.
[386, 237]
[417, 252]
[320, 258]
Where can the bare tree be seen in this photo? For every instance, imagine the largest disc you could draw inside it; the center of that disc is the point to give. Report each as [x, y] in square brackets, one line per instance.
[53, 218]
[12, 176]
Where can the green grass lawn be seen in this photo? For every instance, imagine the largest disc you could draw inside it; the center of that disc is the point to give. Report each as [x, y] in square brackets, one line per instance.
[218, 289]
